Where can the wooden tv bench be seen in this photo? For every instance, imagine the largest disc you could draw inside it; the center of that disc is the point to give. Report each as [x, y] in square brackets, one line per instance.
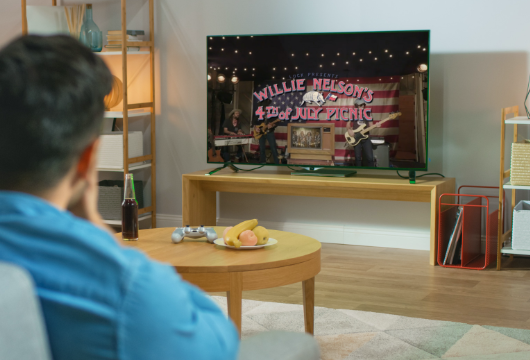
[199, 191]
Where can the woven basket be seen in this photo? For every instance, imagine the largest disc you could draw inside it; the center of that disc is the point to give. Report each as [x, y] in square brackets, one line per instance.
[520, 167]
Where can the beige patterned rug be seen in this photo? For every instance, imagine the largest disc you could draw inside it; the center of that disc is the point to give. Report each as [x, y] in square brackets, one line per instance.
[361, 335]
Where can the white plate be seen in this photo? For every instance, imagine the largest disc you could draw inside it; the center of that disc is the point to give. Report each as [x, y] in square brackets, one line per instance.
[221, 242]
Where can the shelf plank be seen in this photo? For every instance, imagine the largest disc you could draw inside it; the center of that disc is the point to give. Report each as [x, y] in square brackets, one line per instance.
[118, 222]
[108, 53]
[131, 167]
[509, 250]
[518, 120]
[130, 113]
[509, 185]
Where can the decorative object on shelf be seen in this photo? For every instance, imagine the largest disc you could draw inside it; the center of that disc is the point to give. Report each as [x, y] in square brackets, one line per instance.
[116, 94]
[74, 18]
[90, 34]
[521, 226]
[520, 164]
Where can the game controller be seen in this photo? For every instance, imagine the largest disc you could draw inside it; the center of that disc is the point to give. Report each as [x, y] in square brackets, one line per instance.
[180, 233]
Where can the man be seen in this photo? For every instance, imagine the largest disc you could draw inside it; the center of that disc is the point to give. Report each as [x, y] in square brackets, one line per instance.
[268, 136]
[364, 152]
[232, 127]
[99, 300]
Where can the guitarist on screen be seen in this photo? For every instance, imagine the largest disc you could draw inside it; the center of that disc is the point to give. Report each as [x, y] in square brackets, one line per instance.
[364, 150]
[267, 134]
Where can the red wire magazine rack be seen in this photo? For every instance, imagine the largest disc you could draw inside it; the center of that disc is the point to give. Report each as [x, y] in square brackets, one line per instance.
[473, 254]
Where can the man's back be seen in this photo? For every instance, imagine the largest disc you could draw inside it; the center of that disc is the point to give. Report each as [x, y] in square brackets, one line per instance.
[101, 301]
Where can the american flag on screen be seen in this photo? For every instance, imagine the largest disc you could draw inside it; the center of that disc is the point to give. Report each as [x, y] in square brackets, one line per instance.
[385, 101]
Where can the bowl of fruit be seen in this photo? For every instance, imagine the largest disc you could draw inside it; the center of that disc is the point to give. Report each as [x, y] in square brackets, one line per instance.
[246, 236]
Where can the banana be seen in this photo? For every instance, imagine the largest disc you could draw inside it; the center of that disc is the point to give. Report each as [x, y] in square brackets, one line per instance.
[232, 235]
[262, 235]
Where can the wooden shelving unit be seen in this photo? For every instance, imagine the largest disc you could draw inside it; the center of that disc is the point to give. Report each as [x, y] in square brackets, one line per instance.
[131, 164]
[505, 174]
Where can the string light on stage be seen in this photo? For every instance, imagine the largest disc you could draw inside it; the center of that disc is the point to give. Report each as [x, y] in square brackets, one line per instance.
[222, 49]
[209, 77]
[273, 68]
[407, 53]
[292, 54]
[296, 67]
[320, 65]
[360, 59]
[322, 55]
[250, 52]
[223, 37]
[237, 37]
[234, 79]
[353, 53]
[252, 74]
[375, 58]
[424, 49]
[306, 54]
[221, 78]
[347, 62]
[245, 69]
[390, 55]
[210, 48]
[419, 46]
[211, 38]
[338, 54]
[369, 52]
[285, 68]
[333, 64]
[235, 51]
[386, 50]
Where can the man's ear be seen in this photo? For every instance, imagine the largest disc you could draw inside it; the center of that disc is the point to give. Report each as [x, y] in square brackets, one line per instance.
[88, 160]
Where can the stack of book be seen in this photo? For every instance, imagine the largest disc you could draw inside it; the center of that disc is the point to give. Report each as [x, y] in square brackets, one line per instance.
[114, 39]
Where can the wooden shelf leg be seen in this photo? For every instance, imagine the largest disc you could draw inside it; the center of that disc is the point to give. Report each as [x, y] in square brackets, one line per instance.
[198, 205]
[308, 290]
[235, 299]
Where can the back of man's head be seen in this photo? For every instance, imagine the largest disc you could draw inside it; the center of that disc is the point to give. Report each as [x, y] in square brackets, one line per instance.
[51, 108]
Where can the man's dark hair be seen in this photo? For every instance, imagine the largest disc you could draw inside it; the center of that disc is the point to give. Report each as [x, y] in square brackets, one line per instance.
[51, 108]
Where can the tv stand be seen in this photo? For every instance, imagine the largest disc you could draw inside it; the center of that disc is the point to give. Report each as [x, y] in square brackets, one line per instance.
[199, 200]
[412, 177]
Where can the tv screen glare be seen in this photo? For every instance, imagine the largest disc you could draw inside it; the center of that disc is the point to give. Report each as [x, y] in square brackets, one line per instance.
[372, 86]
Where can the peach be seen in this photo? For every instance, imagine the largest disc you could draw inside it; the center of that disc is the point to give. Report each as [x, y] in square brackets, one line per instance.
[224, 233]
[248, 238]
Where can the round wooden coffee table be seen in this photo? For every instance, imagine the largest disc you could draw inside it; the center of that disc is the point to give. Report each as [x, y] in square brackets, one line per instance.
[214, 268]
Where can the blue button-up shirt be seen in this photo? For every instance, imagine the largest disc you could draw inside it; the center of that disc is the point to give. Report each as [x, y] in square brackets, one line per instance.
[103, 301]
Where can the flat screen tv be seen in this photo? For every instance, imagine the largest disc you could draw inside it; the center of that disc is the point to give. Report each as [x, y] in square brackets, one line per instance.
[354, 100]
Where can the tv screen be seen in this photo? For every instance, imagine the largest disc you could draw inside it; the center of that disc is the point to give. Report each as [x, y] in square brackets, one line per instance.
[357, 100]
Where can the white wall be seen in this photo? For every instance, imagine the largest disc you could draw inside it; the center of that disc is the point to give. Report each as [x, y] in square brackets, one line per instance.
[479, 64]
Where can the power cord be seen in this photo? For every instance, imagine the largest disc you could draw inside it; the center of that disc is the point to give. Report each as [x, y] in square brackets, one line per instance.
[418, 176]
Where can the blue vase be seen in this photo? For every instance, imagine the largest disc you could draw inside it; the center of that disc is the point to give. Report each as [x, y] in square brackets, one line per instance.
[90, 34]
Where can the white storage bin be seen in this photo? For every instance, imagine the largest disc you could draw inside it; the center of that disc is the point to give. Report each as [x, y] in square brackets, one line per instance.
[521, 226]
[110, 154]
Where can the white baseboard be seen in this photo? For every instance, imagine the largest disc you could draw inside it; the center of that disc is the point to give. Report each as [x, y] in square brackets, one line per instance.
[334, 234]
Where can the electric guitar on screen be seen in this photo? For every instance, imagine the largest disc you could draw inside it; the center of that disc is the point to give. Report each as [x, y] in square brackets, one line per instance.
[359, 134]
[262, 129]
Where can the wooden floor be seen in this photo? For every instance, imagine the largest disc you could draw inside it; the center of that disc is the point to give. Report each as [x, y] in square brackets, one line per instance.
[401, 282]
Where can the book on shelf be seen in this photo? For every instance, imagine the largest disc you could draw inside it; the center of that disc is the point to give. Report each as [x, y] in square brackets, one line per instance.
[118, 48]
[129, 38]
[129, 32]
[455, 235]
[118, 42]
